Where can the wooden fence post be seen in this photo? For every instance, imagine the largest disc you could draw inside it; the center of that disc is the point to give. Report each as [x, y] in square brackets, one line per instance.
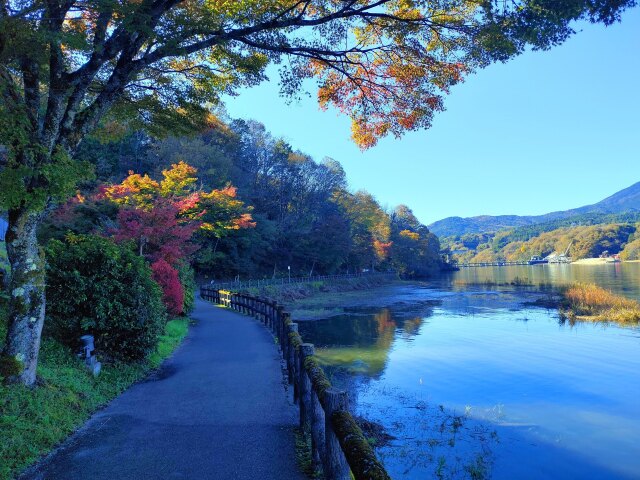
[335, 463]
[278, 320]
[265, 319]
[261, 316]
[291, 359]
[306, 350]
[283, 335]
[317, 432]
[270, 314]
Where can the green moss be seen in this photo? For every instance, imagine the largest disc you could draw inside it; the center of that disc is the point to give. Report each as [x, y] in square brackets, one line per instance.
[360, 456]
[10, 366]
[34, 420]
[295, 339]
[319, 380]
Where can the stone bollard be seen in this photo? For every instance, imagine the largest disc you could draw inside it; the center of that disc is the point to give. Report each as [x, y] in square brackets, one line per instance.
[88, 354]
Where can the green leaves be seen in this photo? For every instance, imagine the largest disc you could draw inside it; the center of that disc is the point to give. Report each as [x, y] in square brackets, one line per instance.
[35, 183]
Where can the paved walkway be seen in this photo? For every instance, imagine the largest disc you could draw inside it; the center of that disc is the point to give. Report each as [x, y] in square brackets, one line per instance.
[216, 410]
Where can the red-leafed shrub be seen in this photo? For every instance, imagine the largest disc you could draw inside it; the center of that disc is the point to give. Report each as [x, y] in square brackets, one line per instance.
[167, 277]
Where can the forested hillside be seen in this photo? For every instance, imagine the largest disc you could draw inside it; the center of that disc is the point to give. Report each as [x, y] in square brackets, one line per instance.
[298, 212]
[587, 241]
[624, 201]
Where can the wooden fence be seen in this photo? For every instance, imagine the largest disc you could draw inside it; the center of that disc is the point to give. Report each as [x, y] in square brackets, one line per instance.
[338, 445]
[257, 283]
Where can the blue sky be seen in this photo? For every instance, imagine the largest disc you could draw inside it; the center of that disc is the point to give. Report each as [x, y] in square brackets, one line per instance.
[547, 131]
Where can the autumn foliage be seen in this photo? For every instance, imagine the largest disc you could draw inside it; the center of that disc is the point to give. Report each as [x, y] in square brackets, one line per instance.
[172, 292]
[161, 218]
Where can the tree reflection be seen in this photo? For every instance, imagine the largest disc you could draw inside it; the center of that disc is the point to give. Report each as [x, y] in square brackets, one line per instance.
[359, 341]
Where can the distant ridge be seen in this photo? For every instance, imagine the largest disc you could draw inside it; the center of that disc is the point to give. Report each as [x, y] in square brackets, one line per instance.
[625, 200]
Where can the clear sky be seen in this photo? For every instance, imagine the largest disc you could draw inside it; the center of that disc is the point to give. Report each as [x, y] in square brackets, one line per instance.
[547, 131]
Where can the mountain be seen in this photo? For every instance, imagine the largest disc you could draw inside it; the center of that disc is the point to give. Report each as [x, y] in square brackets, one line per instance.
[625, 200]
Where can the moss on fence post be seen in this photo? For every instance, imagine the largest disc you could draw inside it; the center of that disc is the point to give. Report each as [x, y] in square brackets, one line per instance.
[319, 381]
[360, 456]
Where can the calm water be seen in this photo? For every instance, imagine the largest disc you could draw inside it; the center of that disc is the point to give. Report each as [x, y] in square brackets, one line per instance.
[623, 278]
[472, 384]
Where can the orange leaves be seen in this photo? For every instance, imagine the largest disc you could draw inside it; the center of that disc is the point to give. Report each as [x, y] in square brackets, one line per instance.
[382, 249]
[244, 221]
[388, 93]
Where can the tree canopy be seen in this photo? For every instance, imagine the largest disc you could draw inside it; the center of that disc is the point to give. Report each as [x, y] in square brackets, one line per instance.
[71, 67]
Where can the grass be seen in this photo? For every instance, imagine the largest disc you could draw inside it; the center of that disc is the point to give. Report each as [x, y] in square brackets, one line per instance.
[592, 303]
[290, 293]
[516, 282]
[4, 262]
[34, 420]
[304, 457]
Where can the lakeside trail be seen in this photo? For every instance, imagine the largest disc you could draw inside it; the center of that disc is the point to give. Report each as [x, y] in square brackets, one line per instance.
[216, 409]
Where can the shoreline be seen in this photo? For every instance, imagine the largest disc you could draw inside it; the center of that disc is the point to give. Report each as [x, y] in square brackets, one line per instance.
[592, 261]
[600, 261]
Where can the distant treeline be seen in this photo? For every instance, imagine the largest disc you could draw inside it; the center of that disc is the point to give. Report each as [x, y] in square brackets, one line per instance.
[530, 231]
[590, 235]
[305, 216]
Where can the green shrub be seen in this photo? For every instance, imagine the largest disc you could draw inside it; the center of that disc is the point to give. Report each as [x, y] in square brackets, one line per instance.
[188, 281]
[97, 287]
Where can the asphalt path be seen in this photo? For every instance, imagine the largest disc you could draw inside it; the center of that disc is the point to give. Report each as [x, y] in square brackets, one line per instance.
[217, 409]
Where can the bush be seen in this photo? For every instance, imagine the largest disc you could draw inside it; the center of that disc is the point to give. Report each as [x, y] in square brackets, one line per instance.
[188, 281]
[172, 292]
[97, 287]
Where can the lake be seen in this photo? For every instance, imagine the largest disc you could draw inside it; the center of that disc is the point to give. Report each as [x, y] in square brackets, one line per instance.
[471, 382]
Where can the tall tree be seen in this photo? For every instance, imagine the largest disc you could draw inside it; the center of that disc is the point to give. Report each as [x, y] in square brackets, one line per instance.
[69, 66]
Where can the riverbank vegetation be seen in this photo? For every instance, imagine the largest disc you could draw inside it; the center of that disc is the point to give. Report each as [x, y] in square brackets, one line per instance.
[584, 241]
[34, 420]
[289, 293]
[589, 302]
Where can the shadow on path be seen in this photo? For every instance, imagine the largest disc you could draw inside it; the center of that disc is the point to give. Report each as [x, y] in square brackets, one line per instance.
[216, 409]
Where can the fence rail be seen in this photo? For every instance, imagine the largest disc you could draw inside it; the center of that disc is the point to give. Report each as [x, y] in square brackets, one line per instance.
[338, 445]
[244, 284]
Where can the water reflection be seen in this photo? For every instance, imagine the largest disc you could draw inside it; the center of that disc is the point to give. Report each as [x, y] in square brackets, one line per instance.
[473, 385]
[360, 340]
[622, 278]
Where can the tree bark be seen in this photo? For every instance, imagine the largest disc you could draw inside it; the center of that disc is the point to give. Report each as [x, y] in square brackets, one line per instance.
[27, 297]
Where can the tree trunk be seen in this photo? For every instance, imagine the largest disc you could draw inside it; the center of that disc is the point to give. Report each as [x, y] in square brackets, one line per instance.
[27, 298]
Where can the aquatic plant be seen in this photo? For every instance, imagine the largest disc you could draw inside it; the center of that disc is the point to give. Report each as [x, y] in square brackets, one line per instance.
[583, 301]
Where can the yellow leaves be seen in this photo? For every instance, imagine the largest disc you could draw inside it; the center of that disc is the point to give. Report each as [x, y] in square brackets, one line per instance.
[141, 190]
[177, 180]
[136, 190]
[408, 234]
[362, 134]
